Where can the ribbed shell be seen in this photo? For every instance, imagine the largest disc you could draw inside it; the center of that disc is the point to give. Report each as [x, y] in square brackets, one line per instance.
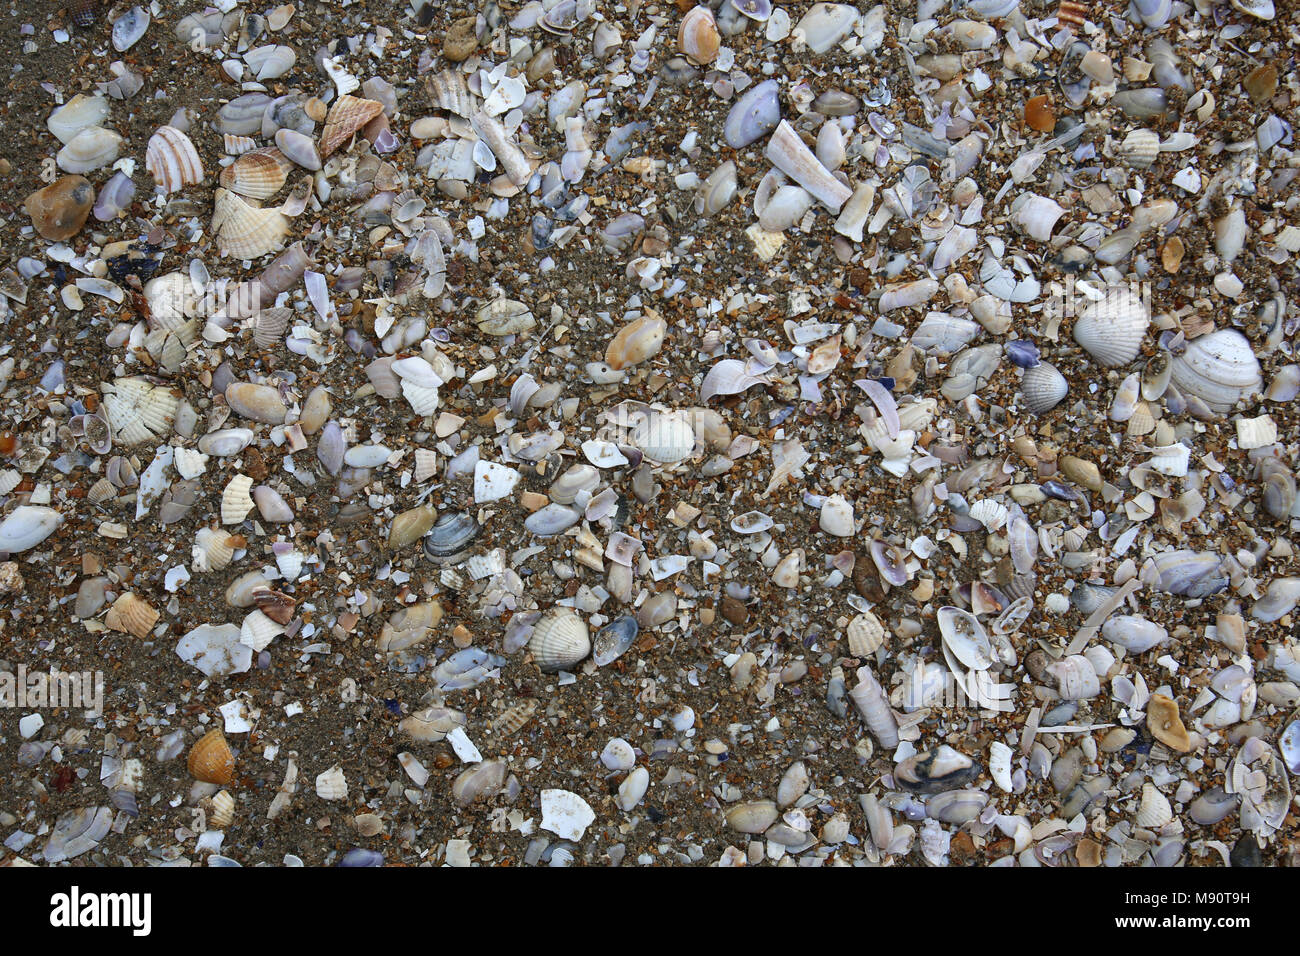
[214, 549]
[1139, 148]
[269, 326]
[1153, 810]
[1219, 368]
[244, 231]
[664, 437]
[257, 174]
[560, 639]
[172, 160]
[131, 615]
[1043, 387]
[258, 631]
[223, 810]
[236, 502]
[1111, 330]
[346, 116]
[211, 760]
[139, 410]
[331, 784]
[447, 91]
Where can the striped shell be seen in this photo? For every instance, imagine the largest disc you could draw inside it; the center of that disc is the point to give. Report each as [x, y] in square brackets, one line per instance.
[172, 160]
[346, 116]
[258, 630]
[257, 174]
[1139, 148]
[211, 760]
[1219, 368]
[865, 634]
[139, 410]
[1111, 330]
[697, 37]
[237, 145]
[214, 549]
[244, 231]
[131, 615]
[223, 810]
[236, 502]
[1153, 810]
[447, 91]
[1043, 387]
[560, 640]
[269, 326]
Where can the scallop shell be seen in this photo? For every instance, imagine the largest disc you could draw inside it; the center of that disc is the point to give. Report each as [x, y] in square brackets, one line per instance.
[1139, 148]
[560, 640]
[172, 160]
[865, 634]
[257, 174]
[1044, 387]
[140, 410]
[211, 759]
[637, 341]
[1111, 330]
[1153, 811]
[665, 437]
[697, 37]
[91, 149]
[1219, 368]
[131, 614]
[236, 502]
[244, 231]
[346, 116]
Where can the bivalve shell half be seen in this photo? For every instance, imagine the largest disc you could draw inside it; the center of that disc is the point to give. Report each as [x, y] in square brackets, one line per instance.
[1044, 387]
[172, 160]
[257, 174]
[664, 437]
[1153, 810]
[346, 116]
[1140, 148]
[1219, 368]
[560, 640]
[504, 317]
[637, 341]
[211, 759]
[1111, 330]
[80, 112]
[91, 149]
[27, 526]
[131, 614]
[964, 637]
[140, 410]
[236, 502]
[245, 231]
[697, 37]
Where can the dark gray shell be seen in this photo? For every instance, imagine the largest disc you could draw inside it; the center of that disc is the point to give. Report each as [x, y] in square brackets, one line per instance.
[452, 534]
[614, 639]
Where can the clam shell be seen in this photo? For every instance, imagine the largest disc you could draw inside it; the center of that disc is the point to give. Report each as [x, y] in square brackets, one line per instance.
[664, 437]
[1219, 368]
[298, 147]
[826, 24]
[614, 639]
[552, 520]
[258, 630]
[236, 502]
[411, 526]
[865, 634]
[1164, 722]
[451, 534]
[697, 37]
[717, 190]
[504, 317]
[1075, 678]
[131, 614]
[242, 116]
[139, 410]
[27, 526]
[245, 231]
[1036, 215]
[572, 482]
[80, 112]
[1111, 330]
[754, 115]
[92, 148]
[225, 442]
[560, 639]
[1153, 810]
[59, 210]
[214, 549]
[172, 160]
[1043, 387]
[1133, 632]
[409, 627]
[211, 759]
[270, 62]
[479, 782]
[964, 637]
[787, 152]
[257, 174]
[347, 115]
[269, 326]
[257, 403]
[637, 341]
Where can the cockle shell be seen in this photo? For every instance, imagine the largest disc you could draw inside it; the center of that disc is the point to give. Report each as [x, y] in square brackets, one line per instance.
[214, 549]
[640, 339]
[131, 614]
[27, 526]
[236, 502]
[140, 410]
[665, 437]
[1140, 148]
[697, 37]
[1219, 368]
[223, 810]
[244, 231]
[1153, 810]
[172, 160]
[1111, 330]
[560, 639]
[1044, 387]
[257, 174]
[865, 634]
[346, 116]
[91, 149]
[211, 759]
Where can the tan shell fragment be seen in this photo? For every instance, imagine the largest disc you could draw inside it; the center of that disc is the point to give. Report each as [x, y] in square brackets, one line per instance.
[1164, 722]
[214, 549]
[865, 634]
[346, 116]
[408, 627]
[447, 91]
[236, 502]
[223, 810]
[1153, 811]
[131, 614]
[172, 160]
[245, 231]
[258, 174]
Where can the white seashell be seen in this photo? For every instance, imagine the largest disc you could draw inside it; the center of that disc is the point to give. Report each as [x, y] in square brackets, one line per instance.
[504, 317]
[492, 481]
[1140, 148]
[560, 640]
[1036, 215]
[1134, 633]
[565, 814]
[271, 505]
[905, 295]
[873, 705]
[1126, 398]
[1111, 330]
[367, 456]
[1153, 811]
[79, 113]
[633, 789]
[787, 152]
[943, 334]
[618, 755]
[718, 189]
[139, 410]
[236, 502]
[728, 377]
[214, 549]
[27, 526]
[1220, 369]
[1256, 432]
[332, 784]
[854, 215]
[836, 516]
[865, 634]
[416, 370]
[91, 149]
[1261, 9]
[270, 62]
[244, 231]
[1171, 460]
[423, 400]
[226, 442]
[826, 24]
[258, 631]
[963, 636]
[1043, 387]
[172, 160]
[1075, 678]
[664, 437]
[991, 513]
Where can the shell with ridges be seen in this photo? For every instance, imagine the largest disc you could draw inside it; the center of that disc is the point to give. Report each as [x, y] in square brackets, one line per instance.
[236, 502]
[140, 410]
[1219, 368]
[257, 174]
[245, 231]
[346, 116]
[131, 614]
[1044, 387]
[560, 640]
[1153, 810]
[1111, 330]
[172, 160]
[211, 760]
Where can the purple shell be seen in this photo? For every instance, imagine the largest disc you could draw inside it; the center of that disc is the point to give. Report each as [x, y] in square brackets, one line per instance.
[889, 563]
[114, 197]
[1022, 353]
[358, 856]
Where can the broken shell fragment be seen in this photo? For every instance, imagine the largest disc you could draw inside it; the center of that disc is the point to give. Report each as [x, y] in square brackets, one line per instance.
[172, 160]
[59, 210]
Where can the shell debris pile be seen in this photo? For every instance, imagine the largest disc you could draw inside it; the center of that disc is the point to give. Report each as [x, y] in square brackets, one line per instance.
[879, 420]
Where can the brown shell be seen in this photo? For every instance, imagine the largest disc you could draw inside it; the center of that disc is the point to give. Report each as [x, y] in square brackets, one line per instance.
[1071, 12]
[131, 615]
[447, 91]
[257, 174]
[278, 607]
[211, 760]
[346, 116]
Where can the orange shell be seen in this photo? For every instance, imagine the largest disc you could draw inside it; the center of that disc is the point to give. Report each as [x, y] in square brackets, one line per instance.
[1039, 115]
[346, 116]
[131, 615]
[211, 760]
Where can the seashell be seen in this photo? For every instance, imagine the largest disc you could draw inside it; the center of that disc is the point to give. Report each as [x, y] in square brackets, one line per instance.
[211, 759]
[214, 549]
[753, 817]
[408, 627]
[964, 637]
[79, 113]
[836, 516]
[1134, 633]
[451, 534]
[59, 210]
[664, 437]
[1279, 600]
[826, 24]
[92, 148]
[956, 806]
[244, 231]
[1289, 746]
[787, 152]
[298, 148]
[347, 115]
[1139, 149]
[131, 614]
[139, 410]
[560, 640]
[873, 705]
[411, 526]
[1043, 388]
[697, 37]
[331, 784]
[1279, 489]
[1260, 9]
[367, 456]
[1073, 677]
[215, 650]
[258, 630]
[269, 326]
[865, 634]
[1111, 329]
[936, 771]
[906, 295]
[783, 208]
[77, 831]
[1036, 215]
[1165, 724]
[114, 198]
[1220, 369]
[432, 724]
[225, 442]
[943, 334]
[270, 62]
[1140, 104]
[552, 520]
[223, 810]
[614, 639]
[718, 189]
[728, 377]
[236, 502]
[172, 160]
[276, 606]
[1184, 572]
[1153, 810]
[479, 782]
[242, 116]
[257, 174]
[258, 403]
[636, 342]
[271, 505]
[504, 317]
[754, 115]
